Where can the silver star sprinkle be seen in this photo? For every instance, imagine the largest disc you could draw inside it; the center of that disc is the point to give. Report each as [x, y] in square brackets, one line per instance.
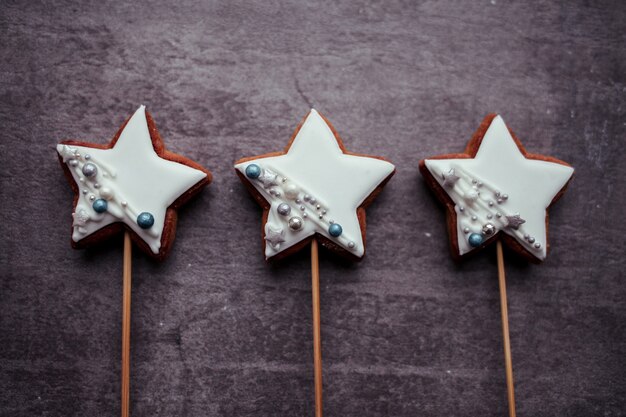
[450, 178]
[81, 217]
[275, 236]
[67, 153]
[268, 178]
[514, 221]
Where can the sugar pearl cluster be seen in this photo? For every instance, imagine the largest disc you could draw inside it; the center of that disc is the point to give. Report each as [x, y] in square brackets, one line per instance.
[98, 195]
[294, 205]
[482, 209]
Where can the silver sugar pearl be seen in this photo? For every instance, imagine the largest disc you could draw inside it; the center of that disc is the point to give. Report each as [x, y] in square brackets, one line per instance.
[526, 236]
[283, 209]
[318, 207]
[321, 216]
[307, 197]
[489, 229]
[90, 170]
[498, 215]
[87, 157]
[73, 162]
[324, 211]
[92, 198]
[302, 208]
[466, 230]
[474, 218]
[351, 245]
[312, 200]
[505, 196]
[490, 203]
[85, 191]
[97, 185]
[461, 209]
[531, 239]
[124, 203]
[295, 223]
[277, 193]
[298, 201]
[304, 215]
[537, 245]
[81, 179]
[489, 216]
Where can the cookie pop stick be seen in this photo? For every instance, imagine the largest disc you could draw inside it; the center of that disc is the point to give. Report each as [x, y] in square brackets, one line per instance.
[314, 191]
[133, 185]
[497, 192]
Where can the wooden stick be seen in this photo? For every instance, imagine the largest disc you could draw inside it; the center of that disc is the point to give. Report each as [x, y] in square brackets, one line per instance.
[508, 362]
[126, 326]
[317, 334]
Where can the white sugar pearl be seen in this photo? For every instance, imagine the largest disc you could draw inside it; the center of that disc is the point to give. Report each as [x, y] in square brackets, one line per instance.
[291, 191]
[106, 193]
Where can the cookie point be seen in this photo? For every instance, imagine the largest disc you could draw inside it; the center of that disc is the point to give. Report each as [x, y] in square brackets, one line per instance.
[498, 119]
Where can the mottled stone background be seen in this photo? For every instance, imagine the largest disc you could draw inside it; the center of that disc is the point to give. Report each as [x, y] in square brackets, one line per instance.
[218, 332]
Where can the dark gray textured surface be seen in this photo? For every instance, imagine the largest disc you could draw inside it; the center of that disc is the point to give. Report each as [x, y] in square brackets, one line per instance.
[218, 332]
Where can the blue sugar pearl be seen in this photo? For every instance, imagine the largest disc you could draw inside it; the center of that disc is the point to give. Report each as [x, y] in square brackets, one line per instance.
[335, 230]
[253, 171]
[145, 220]
[100, 205]
[475, 240]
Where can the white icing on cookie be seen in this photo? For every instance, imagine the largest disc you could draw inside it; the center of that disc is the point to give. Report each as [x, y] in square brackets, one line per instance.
[131, 178]
[501, 190]
[314, 188]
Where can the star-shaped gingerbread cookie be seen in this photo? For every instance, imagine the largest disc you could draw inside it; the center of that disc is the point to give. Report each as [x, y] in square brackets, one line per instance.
[133, 183]
[314, 189]
[497, 189]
